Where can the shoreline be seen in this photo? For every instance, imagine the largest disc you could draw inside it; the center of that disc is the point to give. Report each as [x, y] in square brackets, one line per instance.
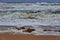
[41, 30]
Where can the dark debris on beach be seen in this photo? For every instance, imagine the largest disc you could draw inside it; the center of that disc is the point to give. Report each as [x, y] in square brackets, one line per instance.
[26, 29]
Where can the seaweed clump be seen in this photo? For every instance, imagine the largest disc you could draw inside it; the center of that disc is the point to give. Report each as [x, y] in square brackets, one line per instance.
[29, 30]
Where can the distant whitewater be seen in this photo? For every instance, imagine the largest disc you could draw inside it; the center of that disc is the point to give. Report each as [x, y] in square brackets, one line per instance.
[37, 15]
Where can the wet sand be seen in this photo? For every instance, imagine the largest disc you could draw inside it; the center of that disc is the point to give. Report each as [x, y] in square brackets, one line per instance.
[10, 36]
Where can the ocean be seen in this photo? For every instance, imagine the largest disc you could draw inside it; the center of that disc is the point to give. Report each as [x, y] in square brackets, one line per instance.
[37, 15]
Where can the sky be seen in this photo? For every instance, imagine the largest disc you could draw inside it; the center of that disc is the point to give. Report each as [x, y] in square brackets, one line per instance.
[29, 0]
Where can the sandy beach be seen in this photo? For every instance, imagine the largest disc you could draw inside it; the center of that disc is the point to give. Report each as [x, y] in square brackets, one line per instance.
[10, 36]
